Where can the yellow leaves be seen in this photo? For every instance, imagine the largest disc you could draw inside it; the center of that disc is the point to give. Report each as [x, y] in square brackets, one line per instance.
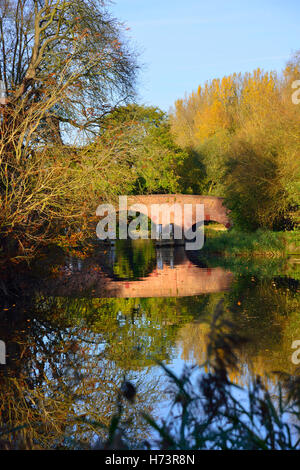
[258, 95]
[202, 114]
[248, 124]
[215, 108]
[224, 104]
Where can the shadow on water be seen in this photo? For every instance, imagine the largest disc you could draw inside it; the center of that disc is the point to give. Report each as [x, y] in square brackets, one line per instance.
[72, 339]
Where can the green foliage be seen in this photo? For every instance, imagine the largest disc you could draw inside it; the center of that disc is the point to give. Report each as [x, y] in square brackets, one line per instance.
[156, 157]
[192, 174]
[250, 244]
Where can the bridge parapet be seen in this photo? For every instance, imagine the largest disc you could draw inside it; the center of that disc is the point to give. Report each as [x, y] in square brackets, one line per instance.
[214, 209]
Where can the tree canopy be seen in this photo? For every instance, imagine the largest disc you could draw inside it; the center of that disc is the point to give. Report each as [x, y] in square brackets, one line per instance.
[77, 50]
[244, 130]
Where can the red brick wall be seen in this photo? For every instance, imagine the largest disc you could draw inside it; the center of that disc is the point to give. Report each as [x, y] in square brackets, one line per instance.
[214, 209]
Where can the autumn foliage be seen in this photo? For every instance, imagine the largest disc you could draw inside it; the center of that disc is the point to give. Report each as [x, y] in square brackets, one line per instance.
[245, 131]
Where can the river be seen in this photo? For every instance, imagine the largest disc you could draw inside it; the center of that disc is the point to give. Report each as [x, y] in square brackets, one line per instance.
[116, 315]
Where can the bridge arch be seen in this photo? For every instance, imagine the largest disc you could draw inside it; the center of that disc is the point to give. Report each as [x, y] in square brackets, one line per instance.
[214, 208]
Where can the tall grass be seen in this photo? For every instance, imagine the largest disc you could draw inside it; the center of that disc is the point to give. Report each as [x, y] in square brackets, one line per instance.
[259, 243]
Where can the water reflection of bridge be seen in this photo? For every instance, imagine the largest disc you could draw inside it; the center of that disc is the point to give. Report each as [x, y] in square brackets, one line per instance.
[174, 276]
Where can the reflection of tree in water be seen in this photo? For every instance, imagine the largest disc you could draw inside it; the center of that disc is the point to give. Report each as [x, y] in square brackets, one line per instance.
[131, 259]
[263, 310]
[57, 371]
[68, 357]
[134, 333]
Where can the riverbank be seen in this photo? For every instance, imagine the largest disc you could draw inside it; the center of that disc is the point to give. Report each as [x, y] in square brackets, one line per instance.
[251, 244]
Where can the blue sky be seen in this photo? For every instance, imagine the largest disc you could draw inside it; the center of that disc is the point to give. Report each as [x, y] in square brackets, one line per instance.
[183, 43]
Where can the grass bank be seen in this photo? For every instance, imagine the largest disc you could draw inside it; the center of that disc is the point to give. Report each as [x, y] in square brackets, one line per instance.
[251, 244]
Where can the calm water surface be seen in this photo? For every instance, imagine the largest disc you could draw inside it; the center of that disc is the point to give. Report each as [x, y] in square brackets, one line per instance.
[115, 315]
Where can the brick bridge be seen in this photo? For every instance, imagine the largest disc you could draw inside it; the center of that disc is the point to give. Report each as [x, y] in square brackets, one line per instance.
[214, 210]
